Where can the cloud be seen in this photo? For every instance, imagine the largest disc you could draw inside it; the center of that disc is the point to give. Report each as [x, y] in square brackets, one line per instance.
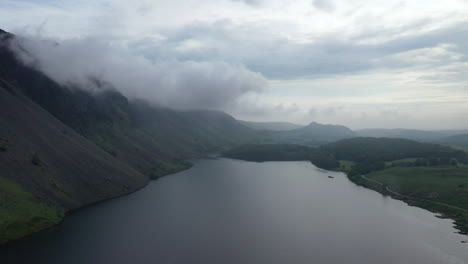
[362, 55]
[325, 5]
[173, 83]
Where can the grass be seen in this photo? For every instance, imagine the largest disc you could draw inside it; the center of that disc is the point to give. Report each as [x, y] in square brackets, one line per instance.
[346, 165]
[441, 184]
[399, 162]
[21, 213]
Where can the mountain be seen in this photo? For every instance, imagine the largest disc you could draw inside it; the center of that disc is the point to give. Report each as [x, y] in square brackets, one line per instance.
[53, 169]
[414, 134]
[62, 148]
[312, 134]
[456, 140]
[272, 126]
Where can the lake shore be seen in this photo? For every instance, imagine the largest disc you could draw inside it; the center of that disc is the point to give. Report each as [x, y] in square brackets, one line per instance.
[443, 210]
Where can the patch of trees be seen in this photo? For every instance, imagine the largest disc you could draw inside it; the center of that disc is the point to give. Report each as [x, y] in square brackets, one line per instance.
[369, 154]
[283, 152]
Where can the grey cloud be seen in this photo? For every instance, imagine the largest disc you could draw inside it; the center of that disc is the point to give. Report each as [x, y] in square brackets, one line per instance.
[325, 5]
[278, 58]
[173, 83]
[248, 2]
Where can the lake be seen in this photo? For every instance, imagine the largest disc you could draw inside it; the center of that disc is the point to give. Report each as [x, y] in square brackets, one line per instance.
[225, 211]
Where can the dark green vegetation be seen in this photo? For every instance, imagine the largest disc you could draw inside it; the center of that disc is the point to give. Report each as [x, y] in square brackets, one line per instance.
[427, 175]
[371, 154]
[283, 152]
[362, 154]
[21, 213]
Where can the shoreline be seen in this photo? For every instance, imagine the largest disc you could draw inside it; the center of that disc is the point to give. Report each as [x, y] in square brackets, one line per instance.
[458, 215]
[5, 243]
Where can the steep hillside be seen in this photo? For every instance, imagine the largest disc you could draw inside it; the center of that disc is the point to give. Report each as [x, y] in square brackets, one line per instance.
[151, 139]
[58, 169]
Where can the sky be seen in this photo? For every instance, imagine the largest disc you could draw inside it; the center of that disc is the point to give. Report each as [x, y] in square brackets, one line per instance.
[363, 64]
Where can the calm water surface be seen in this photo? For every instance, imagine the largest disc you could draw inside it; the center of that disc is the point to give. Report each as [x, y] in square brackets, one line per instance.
[227, 211]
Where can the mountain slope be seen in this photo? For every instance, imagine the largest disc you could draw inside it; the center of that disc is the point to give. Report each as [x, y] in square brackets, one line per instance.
[57, 166]
[151, 139]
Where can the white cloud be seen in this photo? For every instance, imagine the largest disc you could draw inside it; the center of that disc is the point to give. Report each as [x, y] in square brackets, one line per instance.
[177, 84]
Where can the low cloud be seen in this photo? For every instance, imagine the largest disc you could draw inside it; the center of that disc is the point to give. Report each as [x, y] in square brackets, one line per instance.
[177, 84]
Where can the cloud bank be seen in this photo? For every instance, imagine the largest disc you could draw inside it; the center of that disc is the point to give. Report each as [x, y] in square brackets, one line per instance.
[185, 85]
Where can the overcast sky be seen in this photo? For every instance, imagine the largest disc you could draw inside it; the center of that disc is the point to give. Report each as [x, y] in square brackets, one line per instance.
[357, 63]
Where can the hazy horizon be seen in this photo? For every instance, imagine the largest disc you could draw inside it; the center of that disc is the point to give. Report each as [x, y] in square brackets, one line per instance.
[365, 64]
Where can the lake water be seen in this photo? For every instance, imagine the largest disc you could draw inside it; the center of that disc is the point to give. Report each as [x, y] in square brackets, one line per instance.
[228, 211]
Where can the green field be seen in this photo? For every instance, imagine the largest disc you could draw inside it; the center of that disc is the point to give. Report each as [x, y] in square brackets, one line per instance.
[399, 162]
[441, 184]
[346, 165]
[428, 186]
[21, 213]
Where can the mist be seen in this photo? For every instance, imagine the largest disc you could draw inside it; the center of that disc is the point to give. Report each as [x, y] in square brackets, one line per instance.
[87, 63]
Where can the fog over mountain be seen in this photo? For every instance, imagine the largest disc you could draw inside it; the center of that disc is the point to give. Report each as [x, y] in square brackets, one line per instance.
[92, 64]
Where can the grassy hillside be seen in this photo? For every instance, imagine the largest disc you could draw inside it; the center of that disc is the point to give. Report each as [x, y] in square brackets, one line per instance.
[21, 213]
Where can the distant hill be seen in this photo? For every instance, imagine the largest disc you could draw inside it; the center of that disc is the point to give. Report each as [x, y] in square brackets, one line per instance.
[273, 126]
[368, 154]
[414, 134]
[368, 150]
[313, 134]
[457, 140]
